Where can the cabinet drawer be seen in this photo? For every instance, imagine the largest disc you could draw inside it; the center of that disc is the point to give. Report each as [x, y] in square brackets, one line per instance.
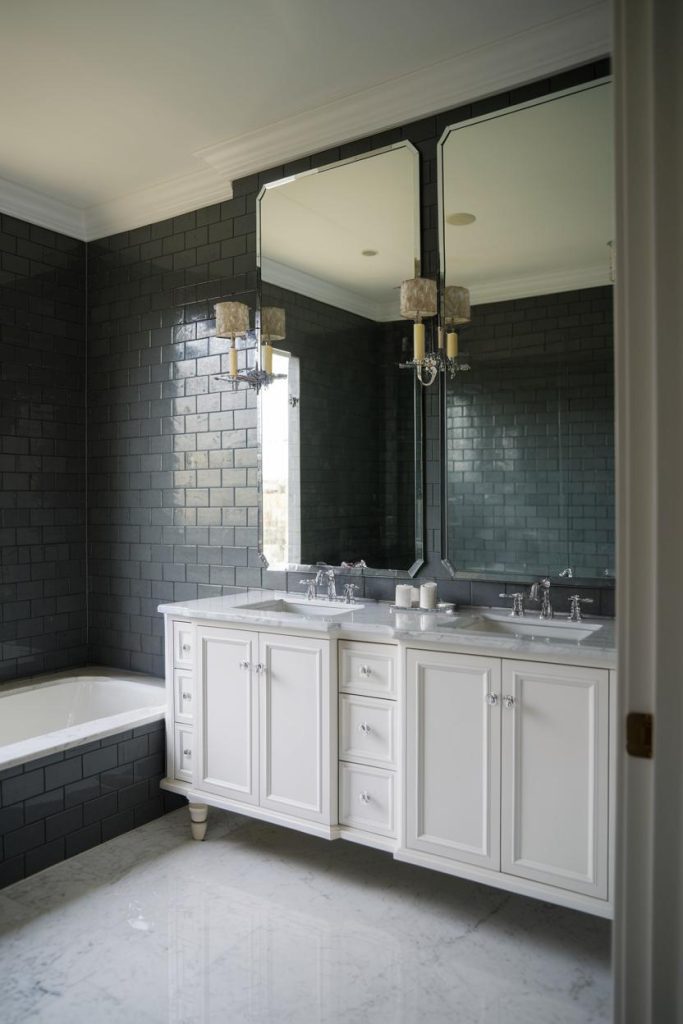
[183, 688]
[183, 644]
[366, 799]
[183, 753]
[367, 668]
[367, 730]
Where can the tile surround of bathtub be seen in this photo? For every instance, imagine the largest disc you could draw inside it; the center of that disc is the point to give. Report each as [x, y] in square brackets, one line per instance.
[42, 450]
[57, 806]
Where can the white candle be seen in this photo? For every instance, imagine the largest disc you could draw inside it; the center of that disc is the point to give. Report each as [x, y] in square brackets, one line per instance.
[233, 362]
[428, 595]
[404, 596]
[451, 344]
[267, 351]
[419, 343]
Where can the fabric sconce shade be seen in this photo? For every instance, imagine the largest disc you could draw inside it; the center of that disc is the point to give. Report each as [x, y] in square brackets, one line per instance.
[232, 319]
[456, 305]
[272, 324]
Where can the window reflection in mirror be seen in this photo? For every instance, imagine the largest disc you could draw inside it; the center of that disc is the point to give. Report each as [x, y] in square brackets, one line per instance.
[526, 218]
[334, 246]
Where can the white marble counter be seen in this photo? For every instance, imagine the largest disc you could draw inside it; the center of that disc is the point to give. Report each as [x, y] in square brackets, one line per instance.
[374, 620]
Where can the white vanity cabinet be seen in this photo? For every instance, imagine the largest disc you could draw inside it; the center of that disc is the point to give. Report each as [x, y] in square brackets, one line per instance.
[263, 720]
[507, 769]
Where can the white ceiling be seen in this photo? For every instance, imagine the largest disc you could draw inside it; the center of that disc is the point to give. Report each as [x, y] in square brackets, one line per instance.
[540, 183]
[116, 113]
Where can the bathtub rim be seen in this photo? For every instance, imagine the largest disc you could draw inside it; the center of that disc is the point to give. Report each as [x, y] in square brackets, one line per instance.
[61, 740]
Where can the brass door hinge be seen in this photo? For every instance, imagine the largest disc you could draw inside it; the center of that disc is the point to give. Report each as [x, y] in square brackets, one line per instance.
[639, 727]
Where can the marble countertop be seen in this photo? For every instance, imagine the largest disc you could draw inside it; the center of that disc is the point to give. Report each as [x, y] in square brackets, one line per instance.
[375, 620]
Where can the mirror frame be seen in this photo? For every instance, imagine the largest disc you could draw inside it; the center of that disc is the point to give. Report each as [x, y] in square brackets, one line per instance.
[606, 582]
[418, 403]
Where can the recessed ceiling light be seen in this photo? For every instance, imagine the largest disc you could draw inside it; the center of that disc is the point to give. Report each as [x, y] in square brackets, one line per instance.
[460, 219]
[369, 252]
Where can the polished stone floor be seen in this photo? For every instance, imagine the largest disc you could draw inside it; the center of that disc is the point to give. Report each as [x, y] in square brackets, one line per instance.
[261, 924]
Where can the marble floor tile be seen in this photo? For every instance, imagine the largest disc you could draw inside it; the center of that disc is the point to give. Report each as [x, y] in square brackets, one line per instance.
[262, 925]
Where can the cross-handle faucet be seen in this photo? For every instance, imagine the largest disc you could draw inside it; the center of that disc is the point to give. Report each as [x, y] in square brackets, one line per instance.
[331, 585]
[546, 606]
[575, 602]
[517, 603]
[349, 589]
[311, 588]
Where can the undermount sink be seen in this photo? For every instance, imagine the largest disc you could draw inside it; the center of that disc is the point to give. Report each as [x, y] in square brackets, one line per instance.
[530, 628]
[308, 609]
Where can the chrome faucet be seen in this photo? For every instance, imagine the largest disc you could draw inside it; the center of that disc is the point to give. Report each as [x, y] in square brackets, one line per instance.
[575, 602]
[311, 588]
[517, 603]
[546, 606]
[331, 585]
[349, 589]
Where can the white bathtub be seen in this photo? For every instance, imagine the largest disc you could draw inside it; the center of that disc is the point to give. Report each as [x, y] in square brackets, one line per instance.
[46, 714]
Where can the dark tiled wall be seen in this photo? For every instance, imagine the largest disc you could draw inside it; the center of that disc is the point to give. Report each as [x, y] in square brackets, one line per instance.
[42, 450]
[60, 805]
[530, 437]
[172, 455]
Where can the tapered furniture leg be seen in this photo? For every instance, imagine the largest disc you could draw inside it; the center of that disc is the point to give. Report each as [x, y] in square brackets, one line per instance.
[198, 816]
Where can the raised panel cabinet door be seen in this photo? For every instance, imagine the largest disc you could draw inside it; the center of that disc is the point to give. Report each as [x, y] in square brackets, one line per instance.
[555, 766]
[296, 726]
[453, 757]
[226, 722]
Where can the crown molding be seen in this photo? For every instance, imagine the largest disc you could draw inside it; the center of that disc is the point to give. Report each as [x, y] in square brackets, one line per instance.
[330, 294]
[158, 202]
[43, 210]
[540, 284]
[514, 60]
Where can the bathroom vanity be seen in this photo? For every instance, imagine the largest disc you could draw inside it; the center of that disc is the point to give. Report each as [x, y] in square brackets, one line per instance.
[474, 744]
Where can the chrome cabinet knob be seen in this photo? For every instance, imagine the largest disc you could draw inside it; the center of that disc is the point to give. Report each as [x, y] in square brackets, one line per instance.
[187, 696]
[187, 647]
[364, 797]
[492, 699]
[509, 701]
[187, 752]
[260, 668]
[365, 671]
[364, 728]
[245, 664]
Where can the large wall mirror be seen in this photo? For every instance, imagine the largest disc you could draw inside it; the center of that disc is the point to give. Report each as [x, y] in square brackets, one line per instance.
[526, 224]
[340, 427]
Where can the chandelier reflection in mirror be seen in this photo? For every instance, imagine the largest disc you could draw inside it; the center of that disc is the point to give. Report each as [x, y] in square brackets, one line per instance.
[232, 322]
[419, 301]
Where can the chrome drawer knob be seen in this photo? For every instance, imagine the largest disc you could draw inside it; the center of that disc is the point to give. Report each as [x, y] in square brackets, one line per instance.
[187, 752]
[364, 797]
[245, 664]
[187, 696]
[492, 699]
[186, 647]
[509, 702]
[364, 728]
[365, 670]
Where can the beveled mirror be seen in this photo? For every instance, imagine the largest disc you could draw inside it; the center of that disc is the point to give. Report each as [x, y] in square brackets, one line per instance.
[341, 425]
[526, 224]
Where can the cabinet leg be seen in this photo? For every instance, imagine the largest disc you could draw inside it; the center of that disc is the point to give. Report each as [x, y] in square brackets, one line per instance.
[198, 816]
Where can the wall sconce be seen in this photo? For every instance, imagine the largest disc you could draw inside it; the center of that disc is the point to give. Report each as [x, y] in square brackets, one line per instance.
[418, 300]
[232, 321]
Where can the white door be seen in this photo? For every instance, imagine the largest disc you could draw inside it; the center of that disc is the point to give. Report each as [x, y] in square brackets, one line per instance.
[296, 720]
[555, 812]
[226, 741]
[453, 757]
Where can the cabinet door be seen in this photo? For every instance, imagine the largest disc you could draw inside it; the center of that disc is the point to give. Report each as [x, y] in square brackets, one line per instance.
[297, 716]
[453, 757]
[555, 773]
[226, 727]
